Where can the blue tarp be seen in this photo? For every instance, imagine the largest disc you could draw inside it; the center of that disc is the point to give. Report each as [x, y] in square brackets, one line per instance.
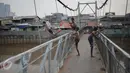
[22, 26]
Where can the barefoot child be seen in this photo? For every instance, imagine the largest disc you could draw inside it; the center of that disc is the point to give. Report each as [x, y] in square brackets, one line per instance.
[76, 39]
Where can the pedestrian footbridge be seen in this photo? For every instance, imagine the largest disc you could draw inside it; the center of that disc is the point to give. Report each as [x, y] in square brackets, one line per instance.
[59, 56]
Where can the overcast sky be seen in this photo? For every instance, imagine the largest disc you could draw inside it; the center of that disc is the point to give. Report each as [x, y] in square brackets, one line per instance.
[46, 7]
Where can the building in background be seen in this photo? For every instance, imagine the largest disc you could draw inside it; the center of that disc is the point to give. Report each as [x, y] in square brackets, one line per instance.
[12, 14]
[33, 20]
[5, 10]
[2, 10]
[56, 17]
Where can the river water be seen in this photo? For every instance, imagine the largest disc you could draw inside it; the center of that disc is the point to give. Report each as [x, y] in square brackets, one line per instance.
[8, 50]
[124, 43]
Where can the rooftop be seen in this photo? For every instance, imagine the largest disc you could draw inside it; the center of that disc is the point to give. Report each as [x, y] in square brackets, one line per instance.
[25, 17]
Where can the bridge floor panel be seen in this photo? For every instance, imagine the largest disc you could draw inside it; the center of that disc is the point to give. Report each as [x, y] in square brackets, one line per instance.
[83, 63]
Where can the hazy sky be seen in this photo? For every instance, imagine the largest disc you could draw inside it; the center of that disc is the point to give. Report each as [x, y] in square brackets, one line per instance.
[46, 7]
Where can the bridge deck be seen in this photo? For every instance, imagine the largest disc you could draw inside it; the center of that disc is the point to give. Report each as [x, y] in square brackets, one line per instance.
[83, 63]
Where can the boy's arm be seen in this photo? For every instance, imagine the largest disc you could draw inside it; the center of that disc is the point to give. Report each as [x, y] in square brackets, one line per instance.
[96, 35]
[78, 33]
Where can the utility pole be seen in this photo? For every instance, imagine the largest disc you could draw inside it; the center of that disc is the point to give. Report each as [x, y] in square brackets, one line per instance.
[110, 7]
[79, 14]
[103, 10]
[96, 13]
[66, 11]
[56, 6]
[126, 7]
[35, 7]
[37, 22]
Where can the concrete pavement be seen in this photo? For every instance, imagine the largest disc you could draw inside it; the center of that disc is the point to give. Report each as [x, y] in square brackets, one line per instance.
[83, 63]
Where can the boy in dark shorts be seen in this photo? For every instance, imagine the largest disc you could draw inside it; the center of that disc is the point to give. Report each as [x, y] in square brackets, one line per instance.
[90, 39]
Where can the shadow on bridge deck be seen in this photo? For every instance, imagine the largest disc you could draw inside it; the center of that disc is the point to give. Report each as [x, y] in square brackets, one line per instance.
[83, 63]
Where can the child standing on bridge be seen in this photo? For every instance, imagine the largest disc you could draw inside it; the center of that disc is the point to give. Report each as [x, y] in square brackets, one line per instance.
[90, 39]
[76, 39]
[73, 25]
[75, 34]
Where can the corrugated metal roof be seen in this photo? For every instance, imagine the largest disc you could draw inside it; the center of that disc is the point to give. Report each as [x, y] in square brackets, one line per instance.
[6, 18]
[22, 17]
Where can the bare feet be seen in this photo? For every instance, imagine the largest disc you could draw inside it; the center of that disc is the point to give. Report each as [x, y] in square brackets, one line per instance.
[92, 56]
[78, 54]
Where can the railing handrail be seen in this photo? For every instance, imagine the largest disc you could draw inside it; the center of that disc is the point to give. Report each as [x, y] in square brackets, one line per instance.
[16, 57]
[118, 48]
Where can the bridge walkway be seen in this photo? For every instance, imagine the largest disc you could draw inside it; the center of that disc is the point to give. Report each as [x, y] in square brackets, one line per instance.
[83, 63]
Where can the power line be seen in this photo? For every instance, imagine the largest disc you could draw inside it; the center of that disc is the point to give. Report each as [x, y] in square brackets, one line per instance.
[103, 5]
[77, 5]
[67, 6]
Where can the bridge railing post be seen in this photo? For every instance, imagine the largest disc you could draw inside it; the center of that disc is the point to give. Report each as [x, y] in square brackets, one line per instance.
[42, 65]
[127, 65]
[24, 62]
[111, 54]
[49, 58]
[65, 47]
[41, 57]
[57, 54]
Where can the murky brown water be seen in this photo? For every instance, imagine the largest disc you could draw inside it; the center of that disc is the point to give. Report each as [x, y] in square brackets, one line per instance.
[8, 50]
[124, 43]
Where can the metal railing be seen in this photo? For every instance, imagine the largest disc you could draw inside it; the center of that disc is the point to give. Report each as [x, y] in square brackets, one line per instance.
[116, 60]
[45, 58]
